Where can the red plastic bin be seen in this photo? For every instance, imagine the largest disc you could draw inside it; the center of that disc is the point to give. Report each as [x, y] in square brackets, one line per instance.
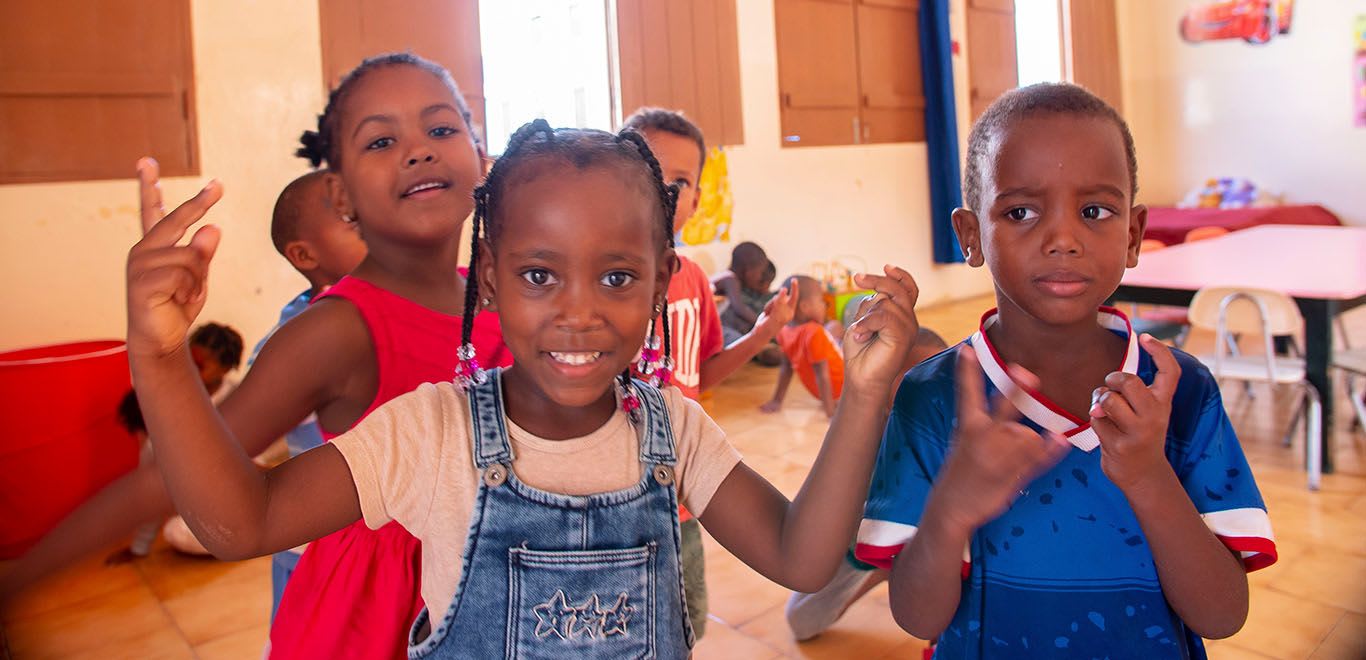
[60, 437]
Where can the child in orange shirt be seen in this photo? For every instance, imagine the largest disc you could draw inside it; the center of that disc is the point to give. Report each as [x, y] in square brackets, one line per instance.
[808, 349]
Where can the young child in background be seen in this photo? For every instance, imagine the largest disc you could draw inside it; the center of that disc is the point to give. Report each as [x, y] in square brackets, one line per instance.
[810, 614]
[701, 356]
[747, 286]
[1101, 503]
[324, 247]
[808, 350]
[216, 350]
[397, 138]
[546, 495]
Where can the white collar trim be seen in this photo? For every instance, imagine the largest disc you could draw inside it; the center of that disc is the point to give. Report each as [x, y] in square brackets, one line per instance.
[1035, 405]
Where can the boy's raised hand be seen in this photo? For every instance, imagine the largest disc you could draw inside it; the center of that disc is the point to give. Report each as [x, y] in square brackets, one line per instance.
[167, 283]
[1130, 418]
[778, 312]
[994, 457]
[876, 345]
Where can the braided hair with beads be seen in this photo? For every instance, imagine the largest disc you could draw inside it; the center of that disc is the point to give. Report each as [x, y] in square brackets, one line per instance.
[580, 148]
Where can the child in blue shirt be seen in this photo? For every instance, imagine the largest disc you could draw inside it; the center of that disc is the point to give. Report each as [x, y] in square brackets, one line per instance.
[1100, 504]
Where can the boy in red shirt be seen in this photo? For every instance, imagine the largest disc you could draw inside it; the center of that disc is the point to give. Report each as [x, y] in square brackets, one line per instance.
[701, 357]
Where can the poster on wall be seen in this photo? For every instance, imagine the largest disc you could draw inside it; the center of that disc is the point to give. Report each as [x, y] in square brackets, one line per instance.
[711, 222]
[1359, 72]
[1253, 21]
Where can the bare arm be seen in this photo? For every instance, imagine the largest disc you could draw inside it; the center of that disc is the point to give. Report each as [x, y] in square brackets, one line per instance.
[230, 505]
[1202, 580]
[730, 288]
[776, 314]
[825, 388]
[780, 391]
[799, 544]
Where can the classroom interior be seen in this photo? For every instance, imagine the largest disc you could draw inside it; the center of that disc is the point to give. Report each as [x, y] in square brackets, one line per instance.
[1248, 116]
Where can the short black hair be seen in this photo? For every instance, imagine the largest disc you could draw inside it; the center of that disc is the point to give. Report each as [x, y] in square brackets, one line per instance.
[130, 414]
[669, 121]
[222, 341]
[929, 338]
[806, 286]
[746, 255]
[320, 146]
[1032, 101]
[289, 208]
[536, 142]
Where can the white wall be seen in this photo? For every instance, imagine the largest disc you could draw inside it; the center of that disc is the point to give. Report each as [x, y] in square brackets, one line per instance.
[816, 203]
[1279, 114]
[258, 76]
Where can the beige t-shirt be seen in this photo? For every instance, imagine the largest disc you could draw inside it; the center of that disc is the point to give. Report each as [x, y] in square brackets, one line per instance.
[411, 461]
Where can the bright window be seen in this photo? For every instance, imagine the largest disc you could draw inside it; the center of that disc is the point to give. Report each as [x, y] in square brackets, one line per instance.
[1038, 44]
[546, 59]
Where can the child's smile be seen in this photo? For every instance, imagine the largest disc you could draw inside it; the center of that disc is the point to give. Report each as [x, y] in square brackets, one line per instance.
[575, 266]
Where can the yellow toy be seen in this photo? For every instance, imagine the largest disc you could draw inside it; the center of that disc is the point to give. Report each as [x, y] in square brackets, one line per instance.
[711, 222]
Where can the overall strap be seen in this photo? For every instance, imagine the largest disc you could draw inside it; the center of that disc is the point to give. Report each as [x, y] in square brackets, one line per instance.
[656, 431]
[488, 430]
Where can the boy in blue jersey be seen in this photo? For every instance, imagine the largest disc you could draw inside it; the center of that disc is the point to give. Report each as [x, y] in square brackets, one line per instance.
[1100, 504]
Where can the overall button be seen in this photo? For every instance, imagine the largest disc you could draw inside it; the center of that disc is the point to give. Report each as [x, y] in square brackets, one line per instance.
[495, 475]
[664, 475]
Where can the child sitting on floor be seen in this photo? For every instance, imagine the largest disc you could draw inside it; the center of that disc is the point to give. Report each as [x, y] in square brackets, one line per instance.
[216, 350]
[808, 349]
[747, 286]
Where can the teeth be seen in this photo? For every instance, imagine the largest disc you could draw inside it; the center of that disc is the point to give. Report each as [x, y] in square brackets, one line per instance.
[424, 186]
[575, 359]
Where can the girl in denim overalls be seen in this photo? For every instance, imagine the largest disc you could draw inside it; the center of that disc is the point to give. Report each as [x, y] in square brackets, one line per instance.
[575, 255]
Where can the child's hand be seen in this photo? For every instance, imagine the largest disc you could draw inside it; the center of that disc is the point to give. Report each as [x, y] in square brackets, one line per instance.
[876, 345]
[167, 284]
[1130, 419]
[772, 406]
[778, 312]
[994, 457]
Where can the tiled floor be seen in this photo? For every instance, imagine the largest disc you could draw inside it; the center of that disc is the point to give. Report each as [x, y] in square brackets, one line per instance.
[1312, 604]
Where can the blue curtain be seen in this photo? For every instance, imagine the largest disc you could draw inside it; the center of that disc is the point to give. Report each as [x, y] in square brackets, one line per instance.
[941, 127]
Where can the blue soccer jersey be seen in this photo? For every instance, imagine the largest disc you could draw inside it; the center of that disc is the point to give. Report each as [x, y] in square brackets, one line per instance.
[1066, 570]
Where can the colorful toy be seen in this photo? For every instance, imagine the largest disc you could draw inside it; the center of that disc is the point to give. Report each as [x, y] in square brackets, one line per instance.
[1223, 193]
[1254, 21]
[711, 222]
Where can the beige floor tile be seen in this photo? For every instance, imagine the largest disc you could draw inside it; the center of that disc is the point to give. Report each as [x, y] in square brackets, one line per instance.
[239, 599]
[1347, 641]
[245, 644]
[88, 579]
[865, 631]
[1326, 576]
[129, 622]
[1283, 626]
[723, 642]
[1226, 650]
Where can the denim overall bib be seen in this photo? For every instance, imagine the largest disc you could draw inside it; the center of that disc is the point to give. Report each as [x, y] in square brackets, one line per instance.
[557, 576]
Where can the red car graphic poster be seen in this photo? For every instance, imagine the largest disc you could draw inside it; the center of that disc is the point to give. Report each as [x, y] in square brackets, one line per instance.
[1253, 21]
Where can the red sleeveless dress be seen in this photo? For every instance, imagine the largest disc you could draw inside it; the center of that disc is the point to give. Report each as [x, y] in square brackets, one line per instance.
[355, 592]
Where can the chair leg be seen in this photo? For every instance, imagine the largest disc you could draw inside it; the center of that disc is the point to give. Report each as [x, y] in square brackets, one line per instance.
[1180, 339]
[1358, 402]
[1313, 431]
[1300, 409]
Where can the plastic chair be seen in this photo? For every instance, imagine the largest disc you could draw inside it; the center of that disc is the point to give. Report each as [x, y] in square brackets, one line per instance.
[1205, 233]
[1352, 362]
[1230, 310]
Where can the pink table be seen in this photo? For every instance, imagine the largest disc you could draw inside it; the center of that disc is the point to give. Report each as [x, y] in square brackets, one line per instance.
[1323, 268]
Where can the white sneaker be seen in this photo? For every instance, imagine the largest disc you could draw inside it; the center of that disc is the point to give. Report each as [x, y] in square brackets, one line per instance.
[809, 615]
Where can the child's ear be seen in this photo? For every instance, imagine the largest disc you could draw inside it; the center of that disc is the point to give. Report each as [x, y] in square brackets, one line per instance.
[1138, 223]
[668, 265]
[485, 162]
[487, 290]
[300, 255]
[966, 226]
[341, 201]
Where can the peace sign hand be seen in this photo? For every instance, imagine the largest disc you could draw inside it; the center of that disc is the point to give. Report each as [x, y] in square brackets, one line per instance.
[168, 283]
[993, 456]
[1130, 418]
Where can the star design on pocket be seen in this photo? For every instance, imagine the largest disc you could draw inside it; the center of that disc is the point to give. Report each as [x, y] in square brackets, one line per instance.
[555, 616]
[588, 619]
[614, 619]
